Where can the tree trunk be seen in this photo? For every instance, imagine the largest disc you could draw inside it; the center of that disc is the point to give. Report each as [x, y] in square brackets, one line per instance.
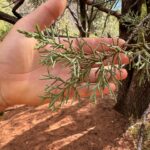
[148, 6]
[83, 18]
[132, 99]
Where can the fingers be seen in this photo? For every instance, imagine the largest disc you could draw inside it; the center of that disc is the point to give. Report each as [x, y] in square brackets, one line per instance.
[90, 44]
[86, 92]
[43, 16]
[118, 74]
[121, 74]
[119, 58]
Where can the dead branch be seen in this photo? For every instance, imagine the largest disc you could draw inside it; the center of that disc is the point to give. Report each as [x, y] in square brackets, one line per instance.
[103, 9]
[77, 22]
[8, 18]
[18, 3]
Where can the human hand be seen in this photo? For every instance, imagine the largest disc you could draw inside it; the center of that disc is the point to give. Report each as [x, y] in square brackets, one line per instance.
[19, 61]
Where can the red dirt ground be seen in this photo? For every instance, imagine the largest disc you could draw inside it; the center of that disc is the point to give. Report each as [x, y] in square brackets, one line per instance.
[90, 127]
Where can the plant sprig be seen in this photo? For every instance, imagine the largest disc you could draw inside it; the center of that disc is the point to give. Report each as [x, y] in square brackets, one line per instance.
[80, 64]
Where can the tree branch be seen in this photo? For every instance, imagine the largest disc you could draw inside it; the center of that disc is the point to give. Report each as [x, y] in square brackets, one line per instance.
[17, 5]
[78, 24]
[146, 19]
[8, 18]
[106, 10]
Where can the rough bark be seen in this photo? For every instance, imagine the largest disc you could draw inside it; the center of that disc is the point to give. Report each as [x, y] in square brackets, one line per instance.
[132, 99]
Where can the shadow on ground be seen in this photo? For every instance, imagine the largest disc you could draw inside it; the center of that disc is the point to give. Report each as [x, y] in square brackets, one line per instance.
[90, 127]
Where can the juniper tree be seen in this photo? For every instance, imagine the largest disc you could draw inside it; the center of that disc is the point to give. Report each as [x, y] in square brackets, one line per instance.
[133, 98]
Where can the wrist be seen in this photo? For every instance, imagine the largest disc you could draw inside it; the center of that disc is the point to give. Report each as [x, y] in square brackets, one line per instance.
[3, 103]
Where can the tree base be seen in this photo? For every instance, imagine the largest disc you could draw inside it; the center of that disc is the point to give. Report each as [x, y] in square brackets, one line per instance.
[133, 99]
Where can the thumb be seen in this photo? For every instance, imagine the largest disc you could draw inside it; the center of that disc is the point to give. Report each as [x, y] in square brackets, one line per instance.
[43, 16]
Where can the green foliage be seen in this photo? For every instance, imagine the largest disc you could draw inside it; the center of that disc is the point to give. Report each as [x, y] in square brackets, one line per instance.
[4, 26]
[80, 64]
[139, 52]
[143, 10]
[138, 27]
[130, 20]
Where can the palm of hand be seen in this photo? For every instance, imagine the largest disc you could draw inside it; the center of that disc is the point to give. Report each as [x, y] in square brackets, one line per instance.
[19, 61]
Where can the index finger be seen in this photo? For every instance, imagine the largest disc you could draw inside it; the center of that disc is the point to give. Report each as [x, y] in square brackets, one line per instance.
[89, 44]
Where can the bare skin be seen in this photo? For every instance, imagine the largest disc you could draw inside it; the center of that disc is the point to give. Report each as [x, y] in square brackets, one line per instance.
[19, 61]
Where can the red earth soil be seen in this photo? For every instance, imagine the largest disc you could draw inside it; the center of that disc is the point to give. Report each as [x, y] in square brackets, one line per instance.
[89, 127]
